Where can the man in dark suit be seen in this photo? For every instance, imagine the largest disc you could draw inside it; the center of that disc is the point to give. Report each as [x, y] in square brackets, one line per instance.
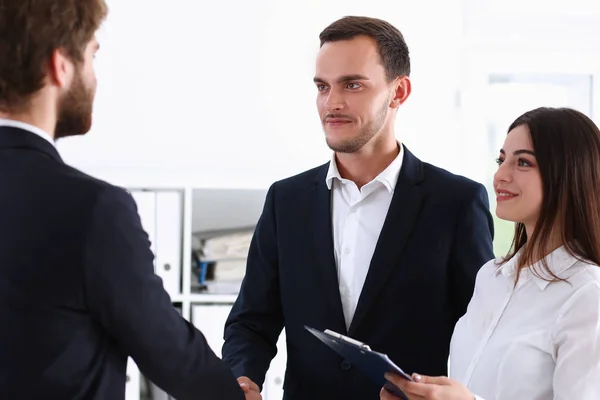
[78, 293]
[375, 244]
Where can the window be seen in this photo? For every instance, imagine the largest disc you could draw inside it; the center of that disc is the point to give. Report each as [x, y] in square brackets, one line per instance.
[495, 94]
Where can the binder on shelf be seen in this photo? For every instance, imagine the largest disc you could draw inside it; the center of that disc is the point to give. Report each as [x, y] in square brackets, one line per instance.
[161, 214]
[169, 236]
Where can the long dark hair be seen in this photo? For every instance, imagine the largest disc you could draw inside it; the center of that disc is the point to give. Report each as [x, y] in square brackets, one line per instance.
[567, 149]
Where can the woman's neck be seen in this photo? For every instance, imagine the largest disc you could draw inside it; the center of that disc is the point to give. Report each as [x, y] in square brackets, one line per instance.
[541, 250]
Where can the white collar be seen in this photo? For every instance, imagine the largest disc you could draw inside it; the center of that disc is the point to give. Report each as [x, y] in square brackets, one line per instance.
[559, 261]
[388, 177]
[25, 126]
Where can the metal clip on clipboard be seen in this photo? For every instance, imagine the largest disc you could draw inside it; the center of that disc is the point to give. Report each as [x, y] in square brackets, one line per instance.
[347, 339]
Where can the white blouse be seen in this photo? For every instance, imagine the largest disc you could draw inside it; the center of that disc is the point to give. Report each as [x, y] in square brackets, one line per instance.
[535, 341]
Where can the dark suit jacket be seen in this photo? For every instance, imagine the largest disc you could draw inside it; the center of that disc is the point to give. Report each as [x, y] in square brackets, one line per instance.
[78, 293]
[437, 234]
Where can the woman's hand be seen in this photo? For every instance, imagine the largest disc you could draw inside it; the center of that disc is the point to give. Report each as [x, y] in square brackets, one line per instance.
[427, 388]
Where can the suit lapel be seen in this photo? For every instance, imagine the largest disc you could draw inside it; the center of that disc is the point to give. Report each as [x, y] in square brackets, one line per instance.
[396, 230]
[326, 278]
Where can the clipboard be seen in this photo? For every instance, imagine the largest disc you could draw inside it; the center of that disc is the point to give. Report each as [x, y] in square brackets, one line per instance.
[372, 363]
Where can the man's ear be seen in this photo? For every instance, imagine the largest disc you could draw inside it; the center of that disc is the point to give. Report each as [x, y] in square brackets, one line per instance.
[60, 68]
[402, 88]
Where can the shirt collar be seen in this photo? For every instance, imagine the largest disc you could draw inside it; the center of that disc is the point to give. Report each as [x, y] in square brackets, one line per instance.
[28, 127]
[559, 261]
[388, 177]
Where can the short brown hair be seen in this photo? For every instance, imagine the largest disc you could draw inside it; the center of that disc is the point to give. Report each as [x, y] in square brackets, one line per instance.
[392, 47]
[566, 144]
[30, 31]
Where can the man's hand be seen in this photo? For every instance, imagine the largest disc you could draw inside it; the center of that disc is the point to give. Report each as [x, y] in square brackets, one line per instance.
[250, 388]
[427, 388]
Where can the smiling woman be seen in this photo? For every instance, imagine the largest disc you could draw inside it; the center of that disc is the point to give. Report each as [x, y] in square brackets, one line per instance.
[550, 170]
[517, 182]
[532, 326]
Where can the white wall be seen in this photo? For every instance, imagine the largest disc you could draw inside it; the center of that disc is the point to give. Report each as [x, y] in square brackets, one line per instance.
[218, 93]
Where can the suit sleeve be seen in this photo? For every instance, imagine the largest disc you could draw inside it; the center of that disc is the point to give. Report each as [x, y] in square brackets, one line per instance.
[473, 247]
[256, 319]
[128, 300]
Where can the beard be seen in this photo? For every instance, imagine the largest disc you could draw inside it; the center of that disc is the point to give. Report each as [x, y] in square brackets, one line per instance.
[354, 144]
[75, 109]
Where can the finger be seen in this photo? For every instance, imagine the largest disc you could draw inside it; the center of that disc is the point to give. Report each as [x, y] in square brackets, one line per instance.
[252, 395]
[394, 378]
[386, 395]
[247, 384]
[410, 388]
[397, 379]
[435, 380]
[254, 386]
[244, 383]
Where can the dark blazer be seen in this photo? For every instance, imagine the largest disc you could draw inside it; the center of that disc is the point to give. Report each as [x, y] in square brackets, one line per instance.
[78, 293]
[437, 234]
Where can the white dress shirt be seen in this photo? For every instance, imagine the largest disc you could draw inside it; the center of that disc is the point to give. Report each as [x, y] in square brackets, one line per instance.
[357, 219]
[537, 341]
[28, 127]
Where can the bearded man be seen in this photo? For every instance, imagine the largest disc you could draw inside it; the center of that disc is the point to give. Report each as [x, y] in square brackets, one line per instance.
[78, 293]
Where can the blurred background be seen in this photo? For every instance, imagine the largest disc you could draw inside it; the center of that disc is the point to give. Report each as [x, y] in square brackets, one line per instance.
[221, 93]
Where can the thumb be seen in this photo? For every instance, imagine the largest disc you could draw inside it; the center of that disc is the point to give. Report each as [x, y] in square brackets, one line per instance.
[435, 380]
[244, 383]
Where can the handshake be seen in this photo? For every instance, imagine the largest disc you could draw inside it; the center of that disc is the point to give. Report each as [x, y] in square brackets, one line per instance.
[251, 390]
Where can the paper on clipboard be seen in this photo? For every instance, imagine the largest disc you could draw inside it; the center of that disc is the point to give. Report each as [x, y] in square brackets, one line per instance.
[372, 363]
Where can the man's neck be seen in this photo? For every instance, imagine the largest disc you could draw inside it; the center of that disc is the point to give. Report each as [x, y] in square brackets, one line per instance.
[43, 123]
[364, 166]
